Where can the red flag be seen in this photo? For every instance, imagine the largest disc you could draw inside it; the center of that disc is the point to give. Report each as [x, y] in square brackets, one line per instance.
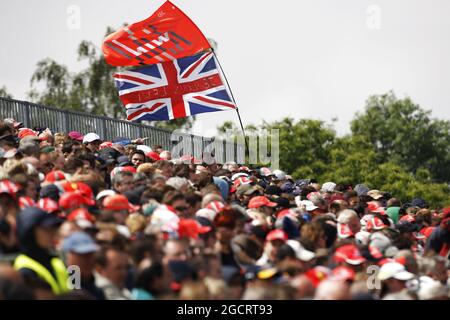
[167, 35]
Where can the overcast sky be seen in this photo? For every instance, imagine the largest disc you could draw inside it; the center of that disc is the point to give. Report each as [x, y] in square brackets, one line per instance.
[301, 58]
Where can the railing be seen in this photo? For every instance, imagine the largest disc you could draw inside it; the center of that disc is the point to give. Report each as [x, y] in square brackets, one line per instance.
[58, 120]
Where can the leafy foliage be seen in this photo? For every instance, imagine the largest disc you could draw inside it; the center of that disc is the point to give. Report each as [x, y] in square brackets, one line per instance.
[405, 134]
[4, 93]
[394, 146]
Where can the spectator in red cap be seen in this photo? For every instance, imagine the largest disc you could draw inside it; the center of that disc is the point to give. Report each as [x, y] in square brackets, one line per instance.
[348, 224]
[74, 199]
[116, 208]
[225, 225]
[176, 227]
[75, 135]
[274, 240]
[263, 204]
[348, 255]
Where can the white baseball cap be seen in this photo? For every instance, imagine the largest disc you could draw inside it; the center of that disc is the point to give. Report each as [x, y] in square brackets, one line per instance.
[280, 175]
[328, 187]
[237, 175]
[105, 193]
[144, 148]
[90, 137]
[430, 289]
[394, 270]
[300, 252]
[309, 205]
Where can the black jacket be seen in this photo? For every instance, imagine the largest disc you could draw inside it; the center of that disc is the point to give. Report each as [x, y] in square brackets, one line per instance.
[27, 221]
[437, 239]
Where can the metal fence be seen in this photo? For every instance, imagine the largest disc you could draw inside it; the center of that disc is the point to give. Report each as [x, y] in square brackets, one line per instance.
[57, 120]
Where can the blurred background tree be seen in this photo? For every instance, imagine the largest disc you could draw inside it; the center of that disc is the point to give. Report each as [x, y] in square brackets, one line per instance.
[394, 145]
[404, 133]
[4, 93]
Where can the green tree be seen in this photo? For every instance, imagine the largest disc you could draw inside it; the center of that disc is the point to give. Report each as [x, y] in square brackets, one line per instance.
[402, 132]
[57, 82]
[310, 149]
[4, 93]
[90, 90]
[351, 158]
[354, 160]
[305, 146]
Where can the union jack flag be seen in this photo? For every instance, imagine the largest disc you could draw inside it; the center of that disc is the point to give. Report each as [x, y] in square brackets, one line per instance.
[174, 89]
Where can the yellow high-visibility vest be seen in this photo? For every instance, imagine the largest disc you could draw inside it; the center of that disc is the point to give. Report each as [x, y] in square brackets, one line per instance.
[58, 285]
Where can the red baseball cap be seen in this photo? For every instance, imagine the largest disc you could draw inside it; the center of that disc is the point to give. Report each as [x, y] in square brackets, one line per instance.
[153, 155]
[344, 231]
[375, 252]
[9, 187]
[73, 200]
[286, 212]
[216, 206]
[375, 224]
[118, 202]
[26, 132]
[241, 181]
[317, 275]
[350, 254]
[81, 187]
[55, 175]
[408, 218]
[336, 197]
[190, 228]
[373, 206]
[277, 234]
[119, 169]
[261, 201]
[75, 135]
[85, 190]
[106, 144]
[81, 214]
[343, 273]
[25, 202]
[48, 205]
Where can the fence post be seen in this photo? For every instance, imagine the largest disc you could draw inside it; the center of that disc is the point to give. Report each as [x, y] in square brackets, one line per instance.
[104, 132]
[66, 121]
[27, 115]
[140, 131]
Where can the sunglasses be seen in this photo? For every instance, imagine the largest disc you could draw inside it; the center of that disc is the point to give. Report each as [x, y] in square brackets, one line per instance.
[181, 208]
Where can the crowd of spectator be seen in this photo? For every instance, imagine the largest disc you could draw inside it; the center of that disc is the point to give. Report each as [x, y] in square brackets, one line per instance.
[84, 218]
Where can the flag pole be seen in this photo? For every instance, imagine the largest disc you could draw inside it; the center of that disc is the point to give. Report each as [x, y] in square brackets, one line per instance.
[232, 97]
